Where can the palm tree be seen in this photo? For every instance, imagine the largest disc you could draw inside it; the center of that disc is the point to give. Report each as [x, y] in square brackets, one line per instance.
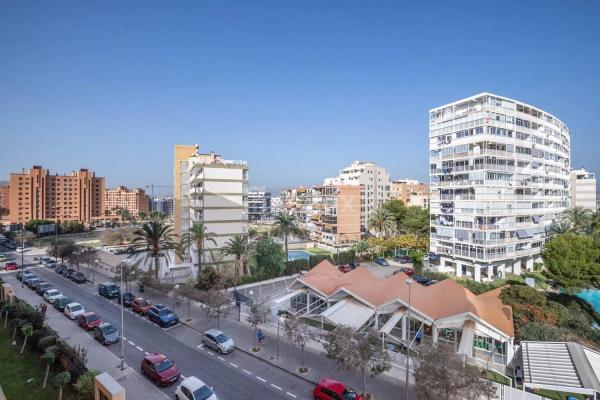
[49, 357]
[237, 246]
[60, 380]
[360, 248]
[196, 237]
[560, 227]
[142, 215]
[382, 222]
[580, 218]
[157, 237]
[285, 225]
[26, 331]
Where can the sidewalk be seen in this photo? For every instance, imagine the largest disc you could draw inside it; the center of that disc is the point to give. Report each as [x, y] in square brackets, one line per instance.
[136, 387]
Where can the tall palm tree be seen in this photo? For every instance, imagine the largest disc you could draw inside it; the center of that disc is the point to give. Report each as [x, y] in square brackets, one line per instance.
[142, 215]
[580, 218]
[360, 248]
[237, 246]
[560, 227]
[157, 237]
[285, 225]
[382, 222]
[196, 237]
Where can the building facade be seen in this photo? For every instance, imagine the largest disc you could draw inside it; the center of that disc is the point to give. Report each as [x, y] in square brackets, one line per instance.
[499, 176]
[275, 205]
[133, 200]
[212, 191]
[375, 186]
[163, 205]
[583, 189]
[36, 194]
[259, 205]
[411, 192]
[5, 200]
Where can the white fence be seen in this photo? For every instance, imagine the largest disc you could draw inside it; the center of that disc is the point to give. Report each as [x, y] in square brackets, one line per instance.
[510, 393]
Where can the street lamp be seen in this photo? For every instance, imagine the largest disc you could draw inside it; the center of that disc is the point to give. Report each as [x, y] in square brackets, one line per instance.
[96, 262]
[409, 282]
[279, 317]
[22, 255]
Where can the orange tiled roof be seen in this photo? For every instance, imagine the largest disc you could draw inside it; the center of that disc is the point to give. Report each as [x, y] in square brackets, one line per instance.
[442, 300]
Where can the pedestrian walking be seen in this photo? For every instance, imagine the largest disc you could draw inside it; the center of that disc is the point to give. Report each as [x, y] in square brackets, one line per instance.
[518, 375]
[260, 336]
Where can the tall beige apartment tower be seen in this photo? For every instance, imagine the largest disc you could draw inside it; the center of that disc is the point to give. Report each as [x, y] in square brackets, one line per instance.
[36, 194]
[181, 185]
[583, 189]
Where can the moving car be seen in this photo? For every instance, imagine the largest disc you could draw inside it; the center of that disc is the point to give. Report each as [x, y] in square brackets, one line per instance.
[22, 274]
[109, 290]
[106, 334]
[61, 302]
[42, 287]
[127, 299]
[88, 321]
[162, 315]
[73, 310]
[330, 389]
[11, 266]
[218, 341]
[160, 369]
[51, 295]
[382, 261]
[140, 306]
[192, 388]
[78, 277]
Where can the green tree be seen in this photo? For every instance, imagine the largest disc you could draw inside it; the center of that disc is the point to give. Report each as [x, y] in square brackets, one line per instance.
[60, 380]
[48, 357]
[360, 248]
[197, 236]
[298, 333]
[560, 227]
[142, 215]
[286, 225]
[269, 258]
[84, 387]
[382, 222]
[237, 246]
[157, 238]
[416, 221]
[580, 219]
[573, 261]
[258, 315]
[397, 209]
[62, 249]
[26, 331]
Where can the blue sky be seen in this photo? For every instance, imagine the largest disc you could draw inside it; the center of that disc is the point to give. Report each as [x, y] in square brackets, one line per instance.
[298, 89]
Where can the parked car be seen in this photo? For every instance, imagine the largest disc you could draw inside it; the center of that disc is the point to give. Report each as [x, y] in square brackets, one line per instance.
[127, 299]
[11, 266]
[407, 271]
[431, 282]
[61, 302]
[44, 260]
[382, 261]
[402, 259]
[21, 249]
[78, 277]
[51, 264]
[109, 290]
[88, 321]
[73, 310]
[421, 279]
[330, 389]
[29, 277]
[2, 258]
[31, 282]
[51, 295]
[42, 287]
[140, 306]
[218, 341]
[60, 269]
[345, 268]
[160, 369]
[192, 388]
[69, 273]
[106, 334]
[162, 315]
[354, 265]
[22, 274]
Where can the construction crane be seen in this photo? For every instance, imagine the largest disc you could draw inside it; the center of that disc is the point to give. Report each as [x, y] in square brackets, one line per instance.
[152, 186]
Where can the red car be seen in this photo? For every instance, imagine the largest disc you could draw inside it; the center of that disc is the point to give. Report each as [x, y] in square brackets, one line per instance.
[160, 369]
[11, 266]
[140, 306]
[345, 268]
[330, 389]
[88, 321]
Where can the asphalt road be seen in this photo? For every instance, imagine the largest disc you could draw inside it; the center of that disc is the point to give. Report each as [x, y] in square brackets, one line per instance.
[233, 376]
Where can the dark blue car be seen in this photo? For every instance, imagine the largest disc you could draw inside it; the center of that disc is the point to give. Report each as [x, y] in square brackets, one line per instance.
[382, 261]
[162, 315]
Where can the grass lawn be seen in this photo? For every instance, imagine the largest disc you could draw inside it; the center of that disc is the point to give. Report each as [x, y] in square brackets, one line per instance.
[317, 324]
[317, 251]
[16, 369]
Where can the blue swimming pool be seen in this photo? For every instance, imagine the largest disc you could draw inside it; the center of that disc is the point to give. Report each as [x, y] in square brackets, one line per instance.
[592, 297]
[298, 254]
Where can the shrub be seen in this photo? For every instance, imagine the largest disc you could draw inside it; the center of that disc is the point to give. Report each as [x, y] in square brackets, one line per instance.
[478, 287]
[542, 332]
[315, 259]
[521, 294]
[295, 266]
[84, 387]
[46, 342]
[560, 312]
[344, 257]
[72, 359]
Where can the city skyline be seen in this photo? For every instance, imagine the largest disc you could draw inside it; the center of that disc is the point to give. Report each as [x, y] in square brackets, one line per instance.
[251, 82]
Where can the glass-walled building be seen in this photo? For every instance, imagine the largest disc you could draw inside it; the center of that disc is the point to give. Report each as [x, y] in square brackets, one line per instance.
[499, 174]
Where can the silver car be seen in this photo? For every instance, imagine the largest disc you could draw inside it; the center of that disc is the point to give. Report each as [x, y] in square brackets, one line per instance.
[218, 341]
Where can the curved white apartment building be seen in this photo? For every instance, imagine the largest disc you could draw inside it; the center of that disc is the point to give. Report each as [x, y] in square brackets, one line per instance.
[500, 173]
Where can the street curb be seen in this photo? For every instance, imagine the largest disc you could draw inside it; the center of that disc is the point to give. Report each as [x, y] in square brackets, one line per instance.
[251, 353]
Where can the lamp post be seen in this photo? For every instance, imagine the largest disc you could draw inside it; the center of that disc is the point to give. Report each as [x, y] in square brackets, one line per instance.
[278, 321]
[122, 365]
[22, 255]
[409, 282]
[96, 262]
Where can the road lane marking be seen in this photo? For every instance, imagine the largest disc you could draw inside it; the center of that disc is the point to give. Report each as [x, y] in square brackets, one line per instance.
[146, 353]
[289, 394]
[261, 379]
[276, 387]
[212, 354]
[200, 346]
[246, 371]
[221, 358]
[139, 348]
[124, 338]
[183, 377]
[131, 343]
[237, 366]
